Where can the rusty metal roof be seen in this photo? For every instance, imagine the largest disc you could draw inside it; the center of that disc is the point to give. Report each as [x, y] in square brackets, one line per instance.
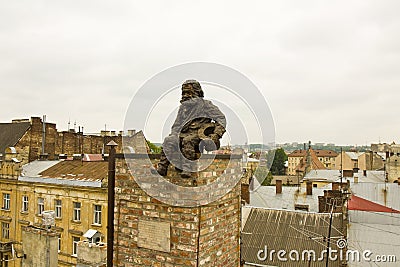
[315, 163]
[78, 170]
[288, 230]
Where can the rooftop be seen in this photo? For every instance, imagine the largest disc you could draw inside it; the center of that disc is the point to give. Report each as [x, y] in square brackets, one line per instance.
[77, 170]
[265, 197]
[287, 230]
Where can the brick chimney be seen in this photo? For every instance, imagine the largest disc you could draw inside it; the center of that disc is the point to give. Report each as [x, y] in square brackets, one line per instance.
[309, 188]
[335, 186]
[278, 186]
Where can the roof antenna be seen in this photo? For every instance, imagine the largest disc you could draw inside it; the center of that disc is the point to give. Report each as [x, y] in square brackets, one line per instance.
[69, 123]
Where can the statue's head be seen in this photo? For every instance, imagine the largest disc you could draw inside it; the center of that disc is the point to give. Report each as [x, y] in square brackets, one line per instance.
[191, 89]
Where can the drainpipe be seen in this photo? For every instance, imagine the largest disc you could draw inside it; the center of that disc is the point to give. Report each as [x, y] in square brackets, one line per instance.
[43, 155]
[111, 196]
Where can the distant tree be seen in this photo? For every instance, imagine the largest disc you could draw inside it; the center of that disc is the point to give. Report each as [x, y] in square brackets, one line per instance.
[153, 148]
[278, 164]
[268, 179]
[261, 173]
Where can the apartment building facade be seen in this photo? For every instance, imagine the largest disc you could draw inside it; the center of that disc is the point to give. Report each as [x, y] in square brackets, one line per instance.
[74, 190]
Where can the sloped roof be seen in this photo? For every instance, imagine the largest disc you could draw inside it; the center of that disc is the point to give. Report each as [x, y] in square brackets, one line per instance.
[78, 170]
[32, 169]
[265, 197]
[315, 163]
[359, 203]
[93, 157]
[10, 133]
[387, 194]
[288, 230]
[354, 155]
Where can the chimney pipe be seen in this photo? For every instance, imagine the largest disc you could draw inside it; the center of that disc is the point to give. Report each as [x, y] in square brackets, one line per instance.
[278, 186]
[309, 188]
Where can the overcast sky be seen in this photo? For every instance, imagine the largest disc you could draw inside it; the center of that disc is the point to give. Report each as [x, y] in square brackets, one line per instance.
[330, 70]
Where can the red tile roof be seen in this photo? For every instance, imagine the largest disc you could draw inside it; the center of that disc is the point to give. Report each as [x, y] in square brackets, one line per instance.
[359, 203]
[315, 163]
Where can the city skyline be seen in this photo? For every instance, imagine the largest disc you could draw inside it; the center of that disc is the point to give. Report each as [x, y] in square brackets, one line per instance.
[328, 70]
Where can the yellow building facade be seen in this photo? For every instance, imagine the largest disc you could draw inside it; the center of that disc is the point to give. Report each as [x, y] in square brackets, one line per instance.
[74, 190]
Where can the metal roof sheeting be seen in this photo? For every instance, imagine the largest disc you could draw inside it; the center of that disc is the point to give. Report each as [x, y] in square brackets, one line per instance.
[359, 203]
[288, 230]
[266, 197]
[78, 170]
[33, 168]
[376, 232]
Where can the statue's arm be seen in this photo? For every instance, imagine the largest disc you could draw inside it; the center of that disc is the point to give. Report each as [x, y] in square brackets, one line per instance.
[220, 121]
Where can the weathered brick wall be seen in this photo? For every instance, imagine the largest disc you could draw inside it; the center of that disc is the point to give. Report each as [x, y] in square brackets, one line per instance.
[206, 235]
[77, 143]
[29, 146]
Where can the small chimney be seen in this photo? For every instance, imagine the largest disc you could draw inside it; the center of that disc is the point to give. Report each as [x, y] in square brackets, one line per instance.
[278, 186]
[309, 188]
[356, 179]
[387, 154]
[335, 186]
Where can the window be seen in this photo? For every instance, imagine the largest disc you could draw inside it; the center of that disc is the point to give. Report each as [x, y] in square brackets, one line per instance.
[77, 211]
[6, 201]
[75, 241]
[40, 205]
[25, 204]
[5, 230]
[57, 208]
[97, 214]
[59, 244]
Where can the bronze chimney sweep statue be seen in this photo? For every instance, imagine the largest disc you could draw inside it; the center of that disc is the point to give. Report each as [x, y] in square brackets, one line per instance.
[199, 125]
